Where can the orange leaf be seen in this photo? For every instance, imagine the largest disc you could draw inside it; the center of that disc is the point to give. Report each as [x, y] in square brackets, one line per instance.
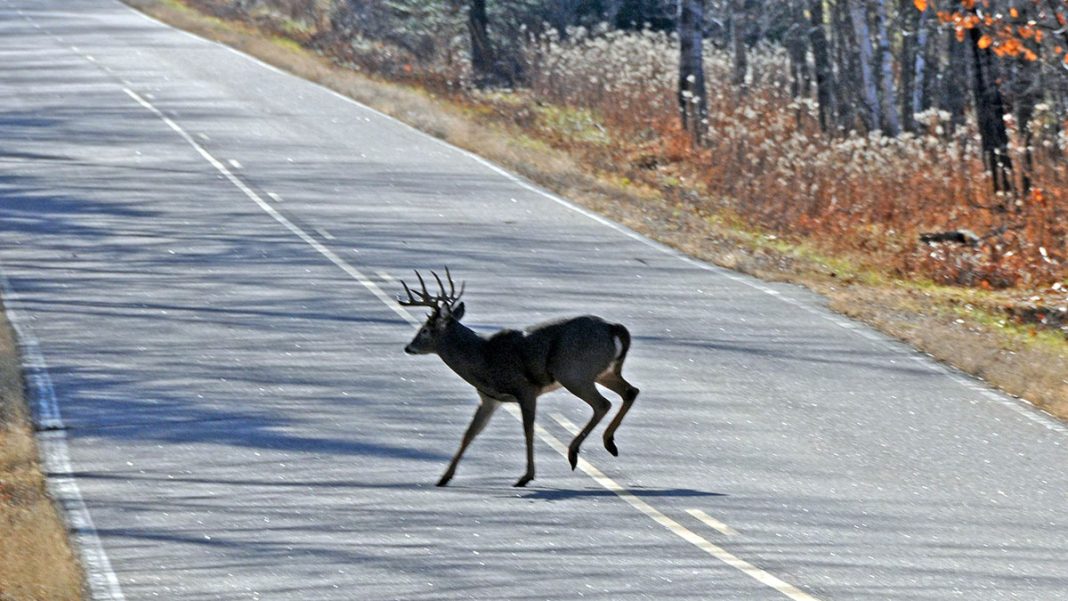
[985, 42]
[921, 5]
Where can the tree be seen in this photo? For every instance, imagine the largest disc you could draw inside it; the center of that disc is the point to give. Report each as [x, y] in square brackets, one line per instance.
[858, 14]
[989, 109]
[891, 124]
[1024, 31]
[919, 65]
[824, 74]
[692, 97]
[483, 60]
[739, 28]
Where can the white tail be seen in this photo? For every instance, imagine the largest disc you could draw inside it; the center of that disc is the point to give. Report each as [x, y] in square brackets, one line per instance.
[518, 366]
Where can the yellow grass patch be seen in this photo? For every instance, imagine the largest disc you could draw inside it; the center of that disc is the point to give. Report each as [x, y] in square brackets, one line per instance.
[36, 561]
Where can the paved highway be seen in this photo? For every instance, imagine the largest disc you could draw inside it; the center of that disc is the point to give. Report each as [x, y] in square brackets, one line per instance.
[200, 253]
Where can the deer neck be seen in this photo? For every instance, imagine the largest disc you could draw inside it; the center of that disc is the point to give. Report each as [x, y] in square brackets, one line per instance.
[462, 350]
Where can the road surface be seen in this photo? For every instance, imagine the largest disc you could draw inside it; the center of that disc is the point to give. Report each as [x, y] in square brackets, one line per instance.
[200, 253]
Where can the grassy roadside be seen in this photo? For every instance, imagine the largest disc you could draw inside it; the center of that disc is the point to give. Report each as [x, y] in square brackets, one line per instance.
[36, 561]
[966, 328]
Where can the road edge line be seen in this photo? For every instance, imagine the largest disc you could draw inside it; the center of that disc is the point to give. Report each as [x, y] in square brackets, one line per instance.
[52, 440]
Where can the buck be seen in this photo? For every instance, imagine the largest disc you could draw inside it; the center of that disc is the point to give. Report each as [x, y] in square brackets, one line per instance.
[518, 366]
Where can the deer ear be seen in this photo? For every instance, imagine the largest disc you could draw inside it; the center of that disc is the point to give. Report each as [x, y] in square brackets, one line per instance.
[458, 312]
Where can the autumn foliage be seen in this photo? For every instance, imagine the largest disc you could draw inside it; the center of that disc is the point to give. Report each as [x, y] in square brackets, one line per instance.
[1022, 30]
[767, 165]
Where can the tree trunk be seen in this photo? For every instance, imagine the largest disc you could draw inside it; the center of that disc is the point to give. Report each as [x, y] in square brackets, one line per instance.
[739, 30]
[824, 73]
[797, 47]
[858, 13]
[891, 121]
[989, 109]
[909, 20]
[483, 63]
[611, 12]
[693, 101]
[919, 65]
[1026, 93]
[849, 91]
[954, 82]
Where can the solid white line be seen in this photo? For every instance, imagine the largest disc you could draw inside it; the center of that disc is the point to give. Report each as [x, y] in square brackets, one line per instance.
[761, 576]
[267, 208]
[103, 583]
[712, 522]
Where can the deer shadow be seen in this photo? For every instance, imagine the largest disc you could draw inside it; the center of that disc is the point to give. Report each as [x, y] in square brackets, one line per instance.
[559, 494]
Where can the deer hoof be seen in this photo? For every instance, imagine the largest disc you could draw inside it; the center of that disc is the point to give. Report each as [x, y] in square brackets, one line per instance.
[444, 480]
[523, 481]
[610, 444]
[572, 458]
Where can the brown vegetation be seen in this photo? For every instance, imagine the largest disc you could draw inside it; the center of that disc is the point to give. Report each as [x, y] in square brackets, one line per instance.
[36, 562]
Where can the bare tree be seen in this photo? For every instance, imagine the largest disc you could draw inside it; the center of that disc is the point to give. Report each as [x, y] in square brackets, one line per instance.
[692, 96]
[990, 110]
[954, 81]
[483, 62]
[891, 124]
[858, 13]
[919, 63]
[825, 83]
[739, 29]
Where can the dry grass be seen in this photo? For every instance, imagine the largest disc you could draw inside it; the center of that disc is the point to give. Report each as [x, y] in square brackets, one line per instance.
[570, 152]
[36, 562]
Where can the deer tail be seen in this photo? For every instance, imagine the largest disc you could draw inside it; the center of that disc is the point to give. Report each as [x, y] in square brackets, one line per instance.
[621, 339]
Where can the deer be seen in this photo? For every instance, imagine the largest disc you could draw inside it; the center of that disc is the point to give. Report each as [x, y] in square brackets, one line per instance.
[513, 366]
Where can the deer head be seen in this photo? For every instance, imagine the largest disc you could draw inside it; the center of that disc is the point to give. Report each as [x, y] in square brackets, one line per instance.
[445, 309]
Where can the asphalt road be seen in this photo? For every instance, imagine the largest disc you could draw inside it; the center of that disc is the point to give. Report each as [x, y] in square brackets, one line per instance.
[198, 249]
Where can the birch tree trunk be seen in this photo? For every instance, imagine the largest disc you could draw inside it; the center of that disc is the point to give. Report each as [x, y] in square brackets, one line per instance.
[692, 98]
[858, 14]
[891, 122]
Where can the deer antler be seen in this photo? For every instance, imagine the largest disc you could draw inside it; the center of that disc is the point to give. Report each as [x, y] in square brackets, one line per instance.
[425, 299]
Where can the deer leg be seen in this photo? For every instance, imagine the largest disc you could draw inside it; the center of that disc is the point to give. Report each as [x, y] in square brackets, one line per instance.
[478, 422]
[526, 407]
[600, 405]
[615, 382]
